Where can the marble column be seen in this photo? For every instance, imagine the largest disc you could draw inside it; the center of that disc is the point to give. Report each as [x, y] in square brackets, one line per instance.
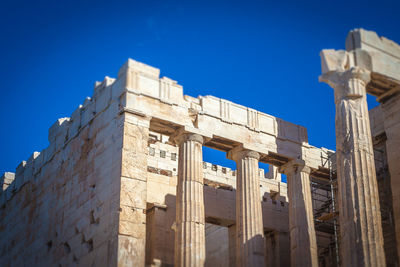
[359, 209]
[303, 242]
[190, 220]
[249, 223]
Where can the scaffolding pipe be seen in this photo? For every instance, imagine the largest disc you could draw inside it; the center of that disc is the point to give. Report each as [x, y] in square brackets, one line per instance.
[333, 210]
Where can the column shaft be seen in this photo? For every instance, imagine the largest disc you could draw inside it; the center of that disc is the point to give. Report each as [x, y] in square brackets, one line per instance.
[249, 224]
[190, 221]
[303, 242]
[360, 216]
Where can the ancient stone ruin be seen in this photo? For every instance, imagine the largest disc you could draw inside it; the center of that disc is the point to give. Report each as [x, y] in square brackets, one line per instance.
[123, 181]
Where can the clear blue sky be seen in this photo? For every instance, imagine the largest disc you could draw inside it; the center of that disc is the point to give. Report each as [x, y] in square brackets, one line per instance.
[261, 55]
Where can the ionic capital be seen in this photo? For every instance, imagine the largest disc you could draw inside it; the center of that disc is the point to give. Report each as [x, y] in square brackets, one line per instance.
[294, 166]
[239, 153]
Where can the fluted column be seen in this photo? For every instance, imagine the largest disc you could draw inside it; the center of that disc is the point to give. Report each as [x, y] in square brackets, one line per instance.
[190, 222]
[249, 224]
[359, 209]
[303, 242]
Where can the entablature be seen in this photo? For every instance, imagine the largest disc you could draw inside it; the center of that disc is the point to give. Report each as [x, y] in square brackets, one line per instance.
[225, 124]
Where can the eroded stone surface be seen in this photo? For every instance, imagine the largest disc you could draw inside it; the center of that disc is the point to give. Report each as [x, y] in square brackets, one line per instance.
[360, 217]
[104, 192]
[303, 241]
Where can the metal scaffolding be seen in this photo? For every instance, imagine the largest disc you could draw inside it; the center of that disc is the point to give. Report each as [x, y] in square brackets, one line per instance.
[325, 212]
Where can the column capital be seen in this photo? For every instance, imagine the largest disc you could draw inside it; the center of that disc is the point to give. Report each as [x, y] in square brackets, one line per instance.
[348, 83]
[293, 166]
[186, 133]
[240, 152]
[183, 137]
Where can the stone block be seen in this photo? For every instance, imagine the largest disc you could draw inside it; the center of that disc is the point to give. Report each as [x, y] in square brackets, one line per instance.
[133, 193]
[10, 191]
[102, 258]
[87, 112]
[133, 65]
[133, 229]
[118, 88]
[19, 172]
[38, 162]
[141, 122]
[131, 251]
[75, 124]
[170, 92]
[6, 180]
[3, 199]
[102, 95]
[333, 60]
[48, 153]
[60, 127]
[88, 259]
[111, 112]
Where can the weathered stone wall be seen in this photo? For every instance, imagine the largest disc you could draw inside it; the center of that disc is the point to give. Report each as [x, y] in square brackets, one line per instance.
[133, 191]
[63, 207]
[384, 185]
[391, 111]
[104, 192]
[217, 246]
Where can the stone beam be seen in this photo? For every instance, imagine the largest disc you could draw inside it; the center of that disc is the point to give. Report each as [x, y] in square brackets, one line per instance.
[277, 141]
[384, 60]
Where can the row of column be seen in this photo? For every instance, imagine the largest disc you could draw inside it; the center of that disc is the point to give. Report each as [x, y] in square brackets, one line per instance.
[360, 219]
[250, 248]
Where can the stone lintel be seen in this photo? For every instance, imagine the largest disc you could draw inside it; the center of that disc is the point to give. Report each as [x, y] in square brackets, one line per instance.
[383, 59]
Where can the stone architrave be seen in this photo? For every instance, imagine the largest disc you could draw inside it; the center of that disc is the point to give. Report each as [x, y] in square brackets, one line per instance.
[360, 216]
[190, 220]
[249, 223]
[303, 242]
